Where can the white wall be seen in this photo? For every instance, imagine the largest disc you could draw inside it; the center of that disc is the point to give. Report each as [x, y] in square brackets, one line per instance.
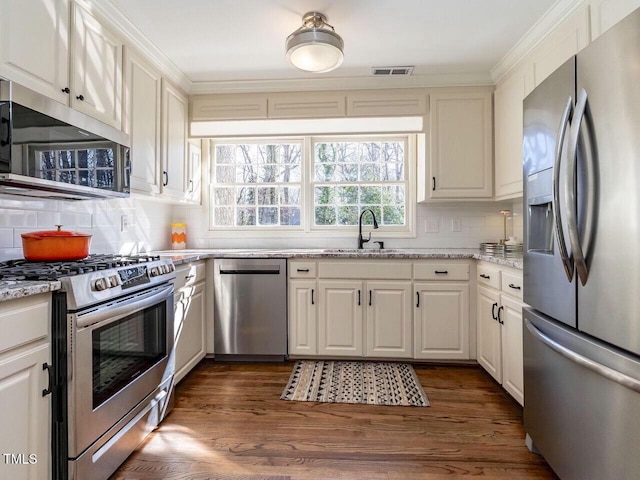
[149, 223]
[481, 222]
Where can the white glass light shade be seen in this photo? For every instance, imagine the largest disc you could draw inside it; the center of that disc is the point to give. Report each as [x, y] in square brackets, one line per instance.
[315, 50]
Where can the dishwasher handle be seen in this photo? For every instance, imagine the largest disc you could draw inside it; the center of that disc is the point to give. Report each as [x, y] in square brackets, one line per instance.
[267, 270]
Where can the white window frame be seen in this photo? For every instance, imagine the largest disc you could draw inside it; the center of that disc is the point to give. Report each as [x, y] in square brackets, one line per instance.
[307, 228]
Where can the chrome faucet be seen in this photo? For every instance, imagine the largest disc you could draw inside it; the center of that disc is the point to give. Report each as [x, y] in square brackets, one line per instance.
[362, 241]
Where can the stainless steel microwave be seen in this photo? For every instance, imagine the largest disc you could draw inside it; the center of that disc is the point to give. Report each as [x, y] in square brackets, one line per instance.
[50, 150]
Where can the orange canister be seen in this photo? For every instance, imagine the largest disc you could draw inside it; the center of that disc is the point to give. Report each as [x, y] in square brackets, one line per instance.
[178, 236]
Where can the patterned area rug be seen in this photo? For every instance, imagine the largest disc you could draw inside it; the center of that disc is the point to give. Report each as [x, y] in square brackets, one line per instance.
[374, 383]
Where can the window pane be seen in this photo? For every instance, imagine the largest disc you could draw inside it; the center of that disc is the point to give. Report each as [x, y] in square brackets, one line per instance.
[224, 196]
[223, 216]
[246, 173]
[370, 173]
[67, 159]
[85, 178]
[246, 216]
[392, 172]
[290, 173]
[336, 152]
[347, 195]
[268, 173]
[348, 215]
[392, 152]
[393, 215]
[370, 195]
[370, 152]
[268, 215]
[289, 195]
[289, 216]
[325, 216]
[324, 173]
[225, 174]
[324, 195]
[245, 196]
[267, 196]
[393, 195]
[225, 154]
[367, 219]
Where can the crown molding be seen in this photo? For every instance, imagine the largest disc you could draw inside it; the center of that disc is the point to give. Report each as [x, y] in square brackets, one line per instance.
[119, 22]
[344, 83]
[553, 17]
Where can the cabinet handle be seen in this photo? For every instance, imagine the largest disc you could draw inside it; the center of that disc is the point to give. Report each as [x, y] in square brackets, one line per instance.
[500, 321]
[370, 297]
[312, 300]
[49, 389]
[515, 287]
[305, 270]
[358, 297]
[417, 299]
[189, 277]
[7, 140]
[166, 178]
[433, 183]
[441, 272]
[66, 90]
[482, 275]
[191, 186]
[80, 97]
[493, 311]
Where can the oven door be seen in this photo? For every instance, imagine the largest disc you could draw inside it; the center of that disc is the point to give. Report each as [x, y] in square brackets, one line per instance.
[119, 353]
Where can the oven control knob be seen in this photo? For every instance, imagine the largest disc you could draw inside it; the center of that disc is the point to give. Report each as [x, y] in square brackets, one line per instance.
[171, 267]
[154, 272]
[114, 280]
[165, 269]
[100, 284]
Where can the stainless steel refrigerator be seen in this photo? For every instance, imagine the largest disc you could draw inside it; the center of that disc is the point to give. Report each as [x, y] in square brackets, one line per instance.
[581, 158]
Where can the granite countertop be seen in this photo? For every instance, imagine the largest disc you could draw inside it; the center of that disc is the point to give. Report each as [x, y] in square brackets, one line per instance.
[13, 289]
[185, 256]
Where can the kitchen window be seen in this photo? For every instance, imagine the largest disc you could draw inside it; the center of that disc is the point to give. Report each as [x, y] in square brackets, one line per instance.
[313, 185]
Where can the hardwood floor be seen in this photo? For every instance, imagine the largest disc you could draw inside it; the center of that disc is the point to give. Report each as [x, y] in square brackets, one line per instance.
[228, 423]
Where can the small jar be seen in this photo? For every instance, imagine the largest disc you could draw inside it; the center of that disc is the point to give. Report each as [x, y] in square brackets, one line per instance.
[178, 236]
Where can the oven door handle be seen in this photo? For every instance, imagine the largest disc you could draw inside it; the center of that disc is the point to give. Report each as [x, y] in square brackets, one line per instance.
[113, 311]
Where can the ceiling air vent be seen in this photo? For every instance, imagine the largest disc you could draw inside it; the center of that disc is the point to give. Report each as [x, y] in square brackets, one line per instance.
[391, 71]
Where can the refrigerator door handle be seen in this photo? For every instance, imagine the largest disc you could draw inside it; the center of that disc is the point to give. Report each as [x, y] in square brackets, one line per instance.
[567, 261]
[583, 361]
[570, 196]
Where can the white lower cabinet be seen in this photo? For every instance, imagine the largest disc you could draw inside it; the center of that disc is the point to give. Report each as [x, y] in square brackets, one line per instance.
[25, 422]
[388, 320]
[340, 318]
[499, 334]
[190, 318]
[441, 320]
[302, 317]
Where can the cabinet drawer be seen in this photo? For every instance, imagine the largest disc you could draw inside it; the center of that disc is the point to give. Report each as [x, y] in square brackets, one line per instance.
[24, 320]
[302, 269]
[512, 284]
[365, 270]
[441, 271]
[189, 274]
[488, 276]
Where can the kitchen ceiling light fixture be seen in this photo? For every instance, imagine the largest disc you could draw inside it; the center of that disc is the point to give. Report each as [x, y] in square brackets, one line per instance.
[315, 46]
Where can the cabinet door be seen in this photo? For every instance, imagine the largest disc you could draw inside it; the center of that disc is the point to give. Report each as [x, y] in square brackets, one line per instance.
[189, 329]
[606, 13]
[509, 95]
[195, 171]
[302, 317]
[441, 320]
[389, 326]
[461, 153]
[174, 141]
[96, 63]
[340, 318]
[142, 121]
[512, 352]
[25, 422]
[489, 342]
[34, 45]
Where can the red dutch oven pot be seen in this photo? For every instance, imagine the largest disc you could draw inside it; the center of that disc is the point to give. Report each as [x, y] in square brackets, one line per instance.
[55, 245]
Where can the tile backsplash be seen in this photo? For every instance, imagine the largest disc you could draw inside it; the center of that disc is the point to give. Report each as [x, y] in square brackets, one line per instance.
[149, 223]
[149, 226]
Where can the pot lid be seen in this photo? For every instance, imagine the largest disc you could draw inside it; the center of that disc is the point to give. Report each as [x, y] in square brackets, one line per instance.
[54, 233]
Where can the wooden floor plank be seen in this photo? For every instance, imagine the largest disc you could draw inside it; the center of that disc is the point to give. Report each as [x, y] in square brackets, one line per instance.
[229, 423]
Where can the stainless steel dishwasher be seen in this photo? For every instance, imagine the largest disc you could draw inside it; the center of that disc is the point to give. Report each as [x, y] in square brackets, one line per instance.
[250, 317]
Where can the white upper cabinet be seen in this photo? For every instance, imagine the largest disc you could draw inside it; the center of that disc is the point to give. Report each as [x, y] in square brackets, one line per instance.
[460, 146]
[142, 121]
[606, 13]
[174, 142]
[34, 44]
[509, 95]
[96, 65]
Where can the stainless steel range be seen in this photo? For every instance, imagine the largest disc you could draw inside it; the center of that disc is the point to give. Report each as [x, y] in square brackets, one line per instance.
[113, 363]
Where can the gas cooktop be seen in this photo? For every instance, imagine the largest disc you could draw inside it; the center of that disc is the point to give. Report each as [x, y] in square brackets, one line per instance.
[25, 270]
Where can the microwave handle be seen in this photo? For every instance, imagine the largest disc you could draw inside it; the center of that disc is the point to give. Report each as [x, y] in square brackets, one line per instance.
[7, 141]
[115, 311]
